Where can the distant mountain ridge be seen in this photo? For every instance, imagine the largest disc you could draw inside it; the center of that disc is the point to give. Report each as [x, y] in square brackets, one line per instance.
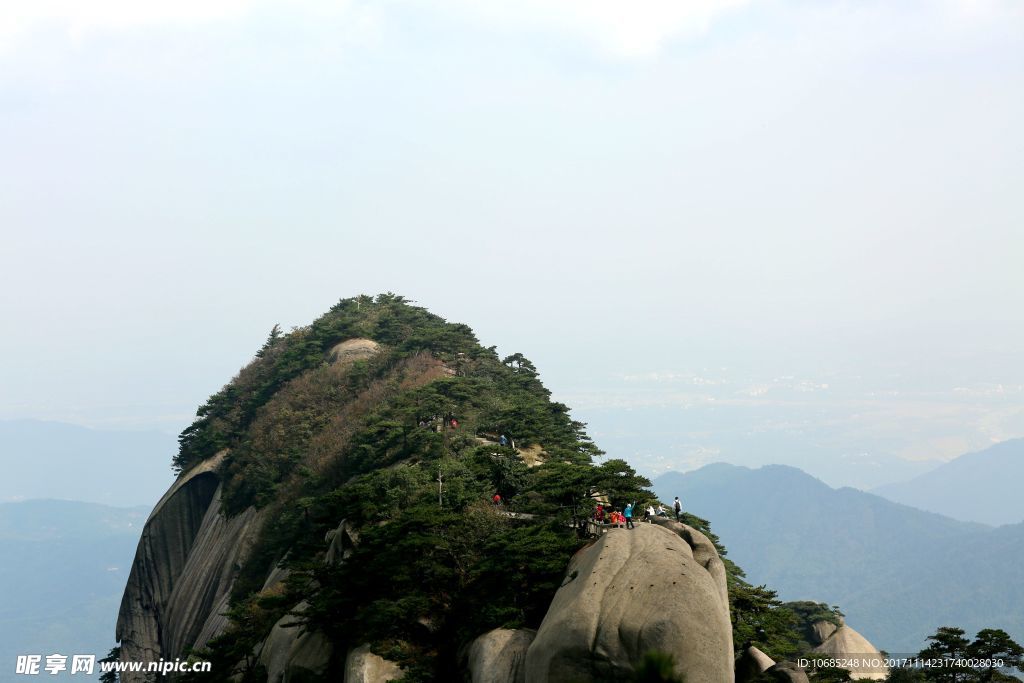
[897, 572]
[983, 486]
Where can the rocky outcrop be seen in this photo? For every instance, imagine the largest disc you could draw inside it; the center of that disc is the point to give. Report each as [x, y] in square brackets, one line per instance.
[341, 541]
[846, 643]
[362, 666]
[633, 591]
[499, 656]
[290, 652]
[786, 672]
[752, 663]
[821, 630]
[352, 350]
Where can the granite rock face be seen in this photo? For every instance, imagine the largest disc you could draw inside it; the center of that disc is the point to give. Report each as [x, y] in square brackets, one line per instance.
[292, 653]
[821, 630]
[184, 567]
[499, 656]
[362, 666]
[704, 553]
[632, 591]
[180, 586]
[164, 555]
[202, 589]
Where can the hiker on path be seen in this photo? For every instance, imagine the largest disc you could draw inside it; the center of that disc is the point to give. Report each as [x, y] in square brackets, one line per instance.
[497, 499]
[599, 514]
[503, 440]
[628, 514]
[678, 506]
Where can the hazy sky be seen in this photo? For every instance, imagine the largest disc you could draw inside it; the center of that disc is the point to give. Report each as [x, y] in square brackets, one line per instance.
[806, 215]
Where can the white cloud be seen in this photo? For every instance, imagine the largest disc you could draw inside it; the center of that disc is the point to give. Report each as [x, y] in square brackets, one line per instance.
[623, 29]
[76, 19]
[77, 16]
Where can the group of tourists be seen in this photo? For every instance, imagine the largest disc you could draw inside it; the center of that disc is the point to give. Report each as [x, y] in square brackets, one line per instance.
[624, 519]
[613, 517]
[609, 515]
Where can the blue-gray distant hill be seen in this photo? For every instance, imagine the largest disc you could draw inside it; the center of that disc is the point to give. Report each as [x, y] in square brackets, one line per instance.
[57, 460]
[979, 487]
[897, 572]
[64, 567]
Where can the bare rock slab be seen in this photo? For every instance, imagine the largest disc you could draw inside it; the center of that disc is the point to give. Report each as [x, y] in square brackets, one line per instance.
[631, 592]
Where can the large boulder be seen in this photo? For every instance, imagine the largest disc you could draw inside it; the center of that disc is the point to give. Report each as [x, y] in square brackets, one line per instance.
[632, 592]
[291, 652]
[362, 666]
[310, 655]
[499, 656]
[787, 672]
[752, 663]
[846, 643]
[276, 647]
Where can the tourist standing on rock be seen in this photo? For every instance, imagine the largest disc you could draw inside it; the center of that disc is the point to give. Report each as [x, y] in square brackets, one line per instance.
[628, 514]
[650, 513]
[679, 508]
